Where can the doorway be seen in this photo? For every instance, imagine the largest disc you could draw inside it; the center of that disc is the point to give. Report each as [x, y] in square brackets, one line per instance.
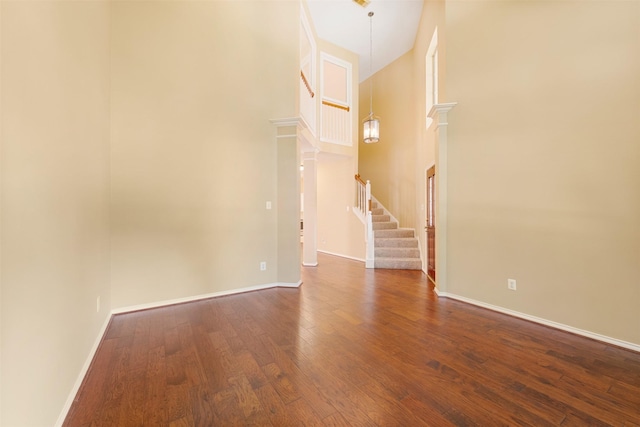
[431, 223]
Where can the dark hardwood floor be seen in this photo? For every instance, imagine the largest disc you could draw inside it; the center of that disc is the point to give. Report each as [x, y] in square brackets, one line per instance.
[351, 347]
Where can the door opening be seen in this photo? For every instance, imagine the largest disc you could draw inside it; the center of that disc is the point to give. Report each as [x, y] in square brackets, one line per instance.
[431, 224]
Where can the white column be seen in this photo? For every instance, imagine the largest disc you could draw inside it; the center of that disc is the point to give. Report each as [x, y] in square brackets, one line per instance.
[310, 208]
[439, 114]
[288, 202]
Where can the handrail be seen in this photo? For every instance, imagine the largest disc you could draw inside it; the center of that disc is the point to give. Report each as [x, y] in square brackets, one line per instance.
[359, 179]
[334, 105]
[306, 83]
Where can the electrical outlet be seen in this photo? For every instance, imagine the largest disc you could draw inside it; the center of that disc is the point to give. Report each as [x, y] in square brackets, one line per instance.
[98, 304]
[268, 205]
[511, 284]
[263, 266]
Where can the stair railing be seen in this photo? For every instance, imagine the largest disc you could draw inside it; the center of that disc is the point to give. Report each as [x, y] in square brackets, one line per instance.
[362, 209]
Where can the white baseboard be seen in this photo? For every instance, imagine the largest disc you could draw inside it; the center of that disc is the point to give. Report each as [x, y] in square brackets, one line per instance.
[83, 373]
[164, 303]
[342, 256]
[556, 325]
[288, 285]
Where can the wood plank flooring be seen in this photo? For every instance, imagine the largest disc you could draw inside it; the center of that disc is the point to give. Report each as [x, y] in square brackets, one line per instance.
[351, 347]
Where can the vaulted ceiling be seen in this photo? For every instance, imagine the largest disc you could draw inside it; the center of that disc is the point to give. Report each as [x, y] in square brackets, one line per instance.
[346, 24]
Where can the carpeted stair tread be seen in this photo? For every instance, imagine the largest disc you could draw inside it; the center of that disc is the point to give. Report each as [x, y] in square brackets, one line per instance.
[385, 225]
[396, 232]
[397, 252]
[396, 242]
[394, 247]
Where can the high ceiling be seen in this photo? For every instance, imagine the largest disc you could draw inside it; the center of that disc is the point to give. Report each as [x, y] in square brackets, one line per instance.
[346, 24]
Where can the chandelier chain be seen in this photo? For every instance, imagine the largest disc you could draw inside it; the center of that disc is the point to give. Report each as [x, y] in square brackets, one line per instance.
[371, 63]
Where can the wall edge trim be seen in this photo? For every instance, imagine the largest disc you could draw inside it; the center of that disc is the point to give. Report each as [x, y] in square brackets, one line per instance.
[561, 326]
[83, 372]
[342, 256]
[164, 303]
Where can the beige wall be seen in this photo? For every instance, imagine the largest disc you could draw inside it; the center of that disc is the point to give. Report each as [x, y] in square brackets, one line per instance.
[340, 232]
[137, 159]
[55, 123]
[194, 157]
[544, 160]
[543, 163]
[390, 164]
[397, 164]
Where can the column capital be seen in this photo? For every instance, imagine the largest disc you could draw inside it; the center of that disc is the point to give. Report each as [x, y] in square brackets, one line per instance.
[439, 112]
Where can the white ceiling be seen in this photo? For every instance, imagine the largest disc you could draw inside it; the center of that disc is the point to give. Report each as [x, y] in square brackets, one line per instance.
[346, 24]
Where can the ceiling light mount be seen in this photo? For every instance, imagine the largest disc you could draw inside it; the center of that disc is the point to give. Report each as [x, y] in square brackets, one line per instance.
[363, 3]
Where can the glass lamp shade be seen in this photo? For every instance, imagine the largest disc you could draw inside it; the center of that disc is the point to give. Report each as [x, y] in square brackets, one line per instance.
[371, 129]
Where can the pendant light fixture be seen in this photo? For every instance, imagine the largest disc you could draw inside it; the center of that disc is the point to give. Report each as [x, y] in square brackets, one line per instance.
[371, 124]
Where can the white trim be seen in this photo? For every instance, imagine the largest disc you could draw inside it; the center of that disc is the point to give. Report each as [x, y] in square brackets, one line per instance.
[287, 136]
[340, 63]
[203, 296]
[313, 77]
[550, 323]
[341, 255]
[312, 264]
[83, 373]
[287, 121]
[288, 285]
[325, 57]
[304, 20]
[431, 83]
[442, 110]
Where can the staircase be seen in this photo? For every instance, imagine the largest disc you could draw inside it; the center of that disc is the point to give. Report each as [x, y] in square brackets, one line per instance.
[395, 248]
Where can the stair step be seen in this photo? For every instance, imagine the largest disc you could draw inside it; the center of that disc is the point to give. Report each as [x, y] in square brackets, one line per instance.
[396, 242]
[397, 252]
[397, 232]
[385, 225]
[394, 248]
[398, 263]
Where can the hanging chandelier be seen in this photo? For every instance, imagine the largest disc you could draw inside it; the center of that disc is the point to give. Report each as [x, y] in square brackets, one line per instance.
[371, 124]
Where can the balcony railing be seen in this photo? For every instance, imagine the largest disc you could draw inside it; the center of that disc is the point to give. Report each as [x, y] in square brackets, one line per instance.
[335, 124]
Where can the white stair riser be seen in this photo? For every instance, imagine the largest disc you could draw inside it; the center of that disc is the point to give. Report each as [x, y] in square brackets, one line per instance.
[398, 263]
